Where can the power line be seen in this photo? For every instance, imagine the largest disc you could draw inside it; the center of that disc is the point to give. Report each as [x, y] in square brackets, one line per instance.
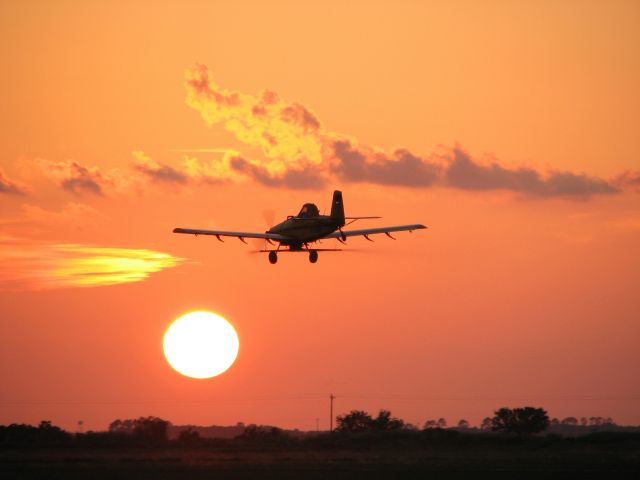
[262, 399]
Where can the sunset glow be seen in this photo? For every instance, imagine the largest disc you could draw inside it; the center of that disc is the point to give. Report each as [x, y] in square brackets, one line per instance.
[508, 128]
[39, 266]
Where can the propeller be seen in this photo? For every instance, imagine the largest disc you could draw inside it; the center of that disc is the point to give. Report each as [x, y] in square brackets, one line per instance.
[269, 216]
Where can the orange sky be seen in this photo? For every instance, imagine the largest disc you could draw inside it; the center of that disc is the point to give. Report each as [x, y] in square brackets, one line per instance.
[510, 128]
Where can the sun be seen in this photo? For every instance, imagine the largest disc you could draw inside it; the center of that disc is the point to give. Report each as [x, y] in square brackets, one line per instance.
[200, 344]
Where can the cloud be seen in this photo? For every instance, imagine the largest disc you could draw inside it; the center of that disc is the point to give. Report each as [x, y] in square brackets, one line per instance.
[298, 152]
[628, 180]
[213, 172]
[405, 169]
[156, 171]
[466, 174]
[79, 179]
[73, 176]
[289, 134]
[577, 185]
[11, 187]
[302, 179]
[39, 266]
[362, 164]
[192, 171]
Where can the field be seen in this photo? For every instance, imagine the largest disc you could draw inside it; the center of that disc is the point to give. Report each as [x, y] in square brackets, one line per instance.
[460, 461]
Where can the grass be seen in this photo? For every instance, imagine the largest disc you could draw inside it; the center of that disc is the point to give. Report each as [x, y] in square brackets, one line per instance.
[434, 461]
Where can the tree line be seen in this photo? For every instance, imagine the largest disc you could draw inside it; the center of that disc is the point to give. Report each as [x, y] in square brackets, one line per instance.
[154, 431]
[526, 420]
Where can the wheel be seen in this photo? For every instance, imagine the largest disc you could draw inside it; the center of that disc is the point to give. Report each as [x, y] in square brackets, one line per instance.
[313, 256]
[273, 257]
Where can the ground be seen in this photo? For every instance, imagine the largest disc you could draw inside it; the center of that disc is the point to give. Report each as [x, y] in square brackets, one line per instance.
[522, 460]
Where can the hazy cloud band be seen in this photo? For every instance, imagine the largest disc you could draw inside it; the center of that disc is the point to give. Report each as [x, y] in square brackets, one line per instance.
[33, 266]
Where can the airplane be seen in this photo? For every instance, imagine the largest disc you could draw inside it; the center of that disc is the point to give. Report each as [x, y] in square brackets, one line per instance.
[297, 232]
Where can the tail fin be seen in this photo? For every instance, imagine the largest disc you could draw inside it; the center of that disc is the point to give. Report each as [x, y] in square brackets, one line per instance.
[337, 208]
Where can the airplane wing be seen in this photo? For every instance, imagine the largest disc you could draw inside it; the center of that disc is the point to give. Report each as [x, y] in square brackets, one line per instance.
[223, 233]
[370, 231]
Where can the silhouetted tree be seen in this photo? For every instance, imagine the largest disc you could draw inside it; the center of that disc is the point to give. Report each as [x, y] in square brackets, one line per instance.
[595, 421]
[189, 437]
[524, 420]
[430, 424]
[570, 421]
[145, 430]
[442, 423]
[384, 421]
[263, 433]
[463, 423]
[354, 421]
[584, 421]
[49, 433]
[486, 423]
[151, 429]
[44, 434]
[122, 426]
[554, 421]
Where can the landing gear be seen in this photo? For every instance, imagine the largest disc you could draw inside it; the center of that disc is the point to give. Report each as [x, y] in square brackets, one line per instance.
[273, 255]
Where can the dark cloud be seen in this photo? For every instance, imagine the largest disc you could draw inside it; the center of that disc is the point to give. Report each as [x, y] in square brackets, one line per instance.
[9, 186]
[198, 79]
[298, 114]
[83, 182]
[628, 180]
[289, 133]
[298, 179]
[161, 173]
[404, 169]
[574, 185]
[466, 174]
[73, 176]
[78, 179]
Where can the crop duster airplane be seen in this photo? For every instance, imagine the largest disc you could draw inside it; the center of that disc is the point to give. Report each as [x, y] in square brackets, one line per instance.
[297, 232]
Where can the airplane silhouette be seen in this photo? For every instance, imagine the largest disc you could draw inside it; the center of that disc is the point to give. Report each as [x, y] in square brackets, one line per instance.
[297, 232]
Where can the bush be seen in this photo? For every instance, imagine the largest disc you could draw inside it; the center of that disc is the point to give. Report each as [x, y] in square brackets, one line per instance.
[527, 420]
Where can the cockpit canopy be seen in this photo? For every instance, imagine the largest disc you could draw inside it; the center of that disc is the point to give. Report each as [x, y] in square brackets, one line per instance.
[309, 210]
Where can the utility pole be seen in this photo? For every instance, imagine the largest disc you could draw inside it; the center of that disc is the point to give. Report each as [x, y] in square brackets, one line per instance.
[331, 397]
